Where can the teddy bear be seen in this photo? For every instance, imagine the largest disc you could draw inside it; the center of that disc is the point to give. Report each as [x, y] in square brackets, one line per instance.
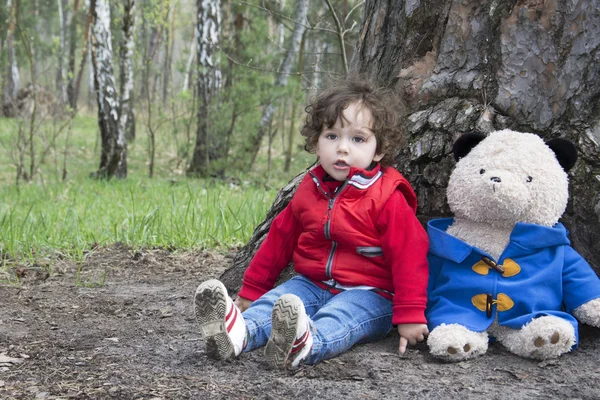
[503, 267]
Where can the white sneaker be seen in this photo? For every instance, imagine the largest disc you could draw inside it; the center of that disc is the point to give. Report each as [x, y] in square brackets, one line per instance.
[221, 322]
[291, 340]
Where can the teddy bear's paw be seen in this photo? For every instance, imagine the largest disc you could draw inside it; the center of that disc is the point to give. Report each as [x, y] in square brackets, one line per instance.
[543, 338]
[454, 342]
[589, 313]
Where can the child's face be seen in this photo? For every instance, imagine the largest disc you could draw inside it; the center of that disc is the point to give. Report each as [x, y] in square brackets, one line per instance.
[351, 145]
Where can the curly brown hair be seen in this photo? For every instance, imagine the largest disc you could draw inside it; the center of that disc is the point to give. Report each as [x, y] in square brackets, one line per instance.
[386, 108]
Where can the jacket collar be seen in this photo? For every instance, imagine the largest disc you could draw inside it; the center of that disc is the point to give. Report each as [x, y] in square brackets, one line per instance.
[527, 236]
[357, 177]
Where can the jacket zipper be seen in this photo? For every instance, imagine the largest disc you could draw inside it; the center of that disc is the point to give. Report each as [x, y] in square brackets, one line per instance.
[331, 203]
[327, 228]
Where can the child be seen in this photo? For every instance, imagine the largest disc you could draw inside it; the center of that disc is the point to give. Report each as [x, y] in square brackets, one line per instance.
[355, 241]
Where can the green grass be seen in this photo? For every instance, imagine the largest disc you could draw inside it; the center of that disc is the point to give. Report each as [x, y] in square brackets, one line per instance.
[49, 215]
[74, 217]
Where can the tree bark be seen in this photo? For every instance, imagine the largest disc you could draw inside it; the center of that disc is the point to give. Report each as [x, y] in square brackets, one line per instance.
[209, 145]
[113, 153]
[467, 66]
[126, 116]
[281, 79]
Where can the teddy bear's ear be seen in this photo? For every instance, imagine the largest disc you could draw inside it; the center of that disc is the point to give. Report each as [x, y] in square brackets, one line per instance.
[565, 151]
[465, 144]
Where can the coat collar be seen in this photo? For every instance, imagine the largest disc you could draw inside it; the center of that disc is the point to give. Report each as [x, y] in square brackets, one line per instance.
[527, 236]
[359, 178]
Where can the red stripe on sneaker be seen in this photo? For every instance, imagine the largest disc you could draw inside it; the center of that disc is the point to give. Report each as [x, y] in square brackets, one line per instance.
[229, 314]
[299, 343]
[235, 315]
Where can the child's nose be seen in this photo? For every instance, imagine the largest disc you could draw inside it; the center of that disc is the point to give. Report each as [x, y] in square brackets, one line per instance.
[342, 146]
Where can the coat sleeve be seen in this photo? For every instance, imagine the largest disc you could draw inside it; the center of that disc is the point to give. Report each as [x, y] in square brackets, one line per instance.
[274, 254]
[580, 282]
[405, 244]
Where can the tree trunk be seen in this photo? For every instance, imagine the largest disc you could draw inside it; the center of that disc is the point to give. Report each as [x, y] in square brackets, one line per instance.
[209, 146]
[528, 66]
[13, 78]
[126, 117]
[113, 152]
[282, 78]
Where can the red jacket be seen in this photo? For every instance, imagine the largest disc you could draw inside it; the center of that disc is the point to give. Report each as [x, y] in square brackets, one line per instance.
[365, 234]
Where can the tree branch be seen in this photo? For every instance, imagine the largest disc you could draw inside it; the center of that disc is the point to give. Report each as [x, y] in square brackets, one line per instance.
[340, 34]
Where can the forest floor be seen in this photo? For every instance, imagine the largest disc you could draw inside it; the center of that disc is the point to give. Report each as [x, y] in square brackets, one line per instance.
[122, 327]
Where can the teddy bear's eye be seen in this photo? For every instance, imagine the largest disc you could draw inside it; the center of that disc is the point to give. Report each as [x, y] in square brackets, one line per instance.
[529, 178]
[482, 171]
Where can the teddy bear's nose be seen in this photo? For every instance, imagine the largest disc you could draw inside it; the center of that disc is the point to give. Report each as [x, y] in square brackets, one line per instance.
[495, 179]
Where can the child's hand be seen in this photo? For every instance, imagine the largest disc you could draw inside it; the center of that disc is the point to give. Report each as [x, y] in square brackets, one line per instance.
[411, 334]
[242, 303]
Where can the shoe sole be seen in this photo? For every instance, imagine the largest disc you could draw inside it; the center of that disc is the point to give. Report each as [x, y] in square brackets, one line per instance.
[210, 306]
[284, 325]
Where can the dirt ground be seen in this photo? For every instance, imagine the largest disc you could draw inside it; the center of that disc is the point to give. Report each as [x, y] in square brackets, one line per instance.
[122, 328]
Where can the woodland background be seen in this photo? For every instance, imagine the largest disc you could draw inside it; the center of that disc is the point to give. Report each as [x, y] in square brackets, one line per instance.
[200, 103]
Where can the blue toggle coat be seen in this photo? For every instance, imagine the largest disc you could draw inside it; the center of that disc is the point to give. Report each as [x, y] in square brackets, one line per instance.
[544, 275]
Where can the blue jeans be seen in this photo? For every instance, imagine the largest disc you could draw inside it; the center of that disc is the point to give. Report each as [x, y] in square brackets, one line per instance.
[338, 321]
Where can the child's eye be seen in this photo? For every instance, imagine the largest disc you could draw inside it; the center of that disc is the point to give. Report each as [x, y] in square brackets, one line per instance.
[358, 139]
[331, 136]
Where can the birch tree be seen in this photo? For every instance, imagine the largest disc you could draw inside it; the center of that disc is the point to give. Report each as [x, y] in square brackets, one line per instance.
[209, 146]
[113, 157]
[281, 79]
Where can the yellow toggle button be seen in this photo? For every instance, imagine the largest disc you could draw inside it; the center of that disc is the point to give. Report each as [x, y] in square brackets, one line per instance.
[483, 302]
[511, 268]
